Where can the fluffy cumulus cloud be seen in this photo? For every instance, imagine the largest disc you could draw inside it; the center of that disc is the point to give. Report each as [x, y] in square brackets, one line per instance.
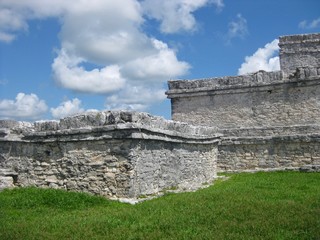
[67, 108]
[263, 59]
[310, 25]
[161, 65]
[135, 98]
[176, 15]
[69, 74]
[25, 106]
[109, 36]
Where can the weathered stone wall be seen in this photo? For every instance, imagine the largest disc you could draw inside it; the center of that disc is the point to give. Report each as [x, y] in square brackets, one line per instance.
[269, 153]
[269, 120]
[262, 99]
[165, 165]
[299, 51]
[280, 102]
[115, 154]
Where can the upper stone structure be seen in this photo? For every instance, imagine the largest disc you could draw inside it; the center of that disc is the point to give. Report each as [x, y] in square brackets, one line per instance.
[300, 51]
[269, 120]
[262, 99]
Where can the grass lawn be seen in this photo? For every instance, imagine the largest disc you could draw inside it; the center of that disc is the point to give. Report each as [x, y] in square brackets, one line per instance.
[278, 205]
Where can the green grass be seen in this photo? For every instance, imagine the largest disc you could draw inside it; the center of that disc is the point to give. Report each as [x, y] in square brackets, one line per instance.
[278, 205]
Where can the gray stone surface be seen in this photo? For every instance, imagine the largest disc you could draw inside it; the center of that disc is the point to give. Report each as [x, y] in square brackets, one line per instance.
[8, 178]
[300, 52]
[117, 154]
[288, 102]
[269, 120]
[310, 168]
[262, 99]
[268, 153]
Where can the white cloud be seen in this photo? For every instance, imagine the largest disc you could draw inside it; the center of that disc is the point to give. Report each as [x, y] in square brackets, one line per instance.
[310, 25]
[237, 28]
[6, 37]
[69, 74]
[67, 108]
[161, 66]
[113, 39]
[263, 59]
[10, 22]
[14, 15]
[135, 98]
[106, 32]
[109, 35]
[176, 15]
[25, 106]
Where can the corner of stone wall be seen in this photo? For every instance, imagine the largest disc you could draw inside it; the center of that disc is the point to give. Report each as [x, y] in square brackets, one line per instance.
[117, 154]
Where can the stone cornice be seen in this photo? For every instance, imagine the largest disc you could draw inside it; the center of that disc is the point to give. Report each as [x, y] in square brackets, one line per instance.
[241, 84]
[108, 125]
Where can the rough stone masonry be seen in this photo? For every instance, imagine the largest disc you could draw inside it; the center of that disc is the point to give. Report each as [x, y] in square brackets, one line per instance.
[270, 120]
[116, 154]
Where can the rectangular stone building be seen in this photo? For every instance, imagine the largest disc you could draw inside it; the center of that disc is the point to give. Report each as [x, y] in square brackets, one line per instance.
[270, 120]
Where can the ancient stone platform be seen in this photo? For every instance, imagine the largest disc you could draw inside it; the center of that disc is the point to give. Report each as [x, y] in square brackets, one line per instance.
[117, 154]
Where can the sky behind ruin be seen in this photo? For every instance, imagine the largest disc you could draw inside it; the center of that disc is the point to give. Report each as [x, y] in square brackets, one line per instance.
[61, 57]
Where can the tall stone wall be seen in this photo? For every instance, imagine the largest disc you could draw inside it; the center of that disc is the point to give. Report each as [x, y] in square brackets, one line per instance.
[269, 120]
[114, 154]
[287, 97]
[255, 100]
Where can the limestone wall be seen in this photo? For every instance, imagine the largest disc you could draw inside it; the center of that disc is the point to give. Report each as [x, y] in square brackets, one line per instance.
[299, 51]
[269, 120]
[270, 153]
[280, 102]
[115, 154]
[262, 99]
[271, 148]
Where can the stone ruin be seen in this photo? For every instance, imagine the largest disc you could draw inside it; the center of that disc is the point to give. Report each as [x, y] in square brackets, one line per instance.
[117, 154]
[260, 121]
[269, 120]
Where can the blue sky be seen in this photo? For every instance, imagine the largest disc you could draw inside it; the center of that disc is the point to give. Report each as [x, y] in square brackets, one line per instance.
[61, 57]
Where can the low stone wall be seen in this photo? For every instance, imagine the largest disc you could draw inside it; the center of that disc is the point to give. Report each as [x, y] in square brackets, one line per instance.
[114, 154]
[275, 148]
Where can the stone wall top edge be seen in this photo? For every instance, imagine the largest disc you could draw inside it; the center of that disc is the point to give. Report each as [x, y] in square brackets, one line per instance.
[116, 133]
[289, 39]
[259, 79]
[95, 122]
